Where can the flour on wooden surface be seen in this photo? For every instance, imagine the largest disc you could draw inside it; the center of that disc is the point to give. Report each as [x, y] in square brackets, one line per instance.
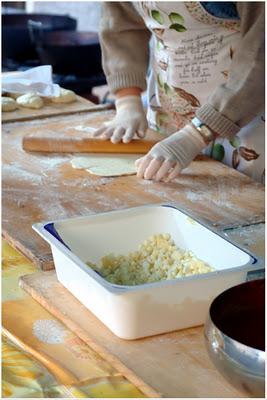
[49, 331]
[251, 237]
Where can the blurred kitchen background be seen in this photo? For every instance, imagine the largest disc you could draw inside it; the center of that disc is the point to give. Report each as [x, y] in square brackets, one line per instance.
[63, 34]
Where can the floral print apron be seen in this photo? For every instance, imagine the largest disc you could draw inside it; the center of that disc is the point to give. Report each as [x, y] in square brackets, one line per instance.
[191, 55]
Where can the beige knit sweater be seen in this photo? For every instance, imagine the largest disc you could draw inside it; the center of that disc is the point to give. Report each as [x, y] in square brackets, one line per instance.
[125, 51]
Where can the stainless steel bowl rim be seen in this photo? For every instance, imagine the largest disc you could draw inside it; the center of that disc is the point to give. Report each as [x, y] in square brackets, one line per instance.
[235, 351]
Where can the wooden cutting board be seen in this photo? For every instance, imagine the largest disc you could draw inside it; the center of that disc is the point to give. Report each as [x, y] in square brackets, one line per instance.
[41, 187]
[49, 109]
[171, 365]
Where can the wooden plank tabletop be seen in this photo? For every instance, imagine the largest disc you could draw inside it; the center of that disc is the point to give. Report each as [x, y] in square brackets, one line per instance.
[41, 187]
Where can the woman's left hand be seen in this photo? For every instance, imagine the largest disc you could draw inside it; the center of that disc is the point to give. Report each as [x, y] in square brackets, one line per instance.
[167, 158]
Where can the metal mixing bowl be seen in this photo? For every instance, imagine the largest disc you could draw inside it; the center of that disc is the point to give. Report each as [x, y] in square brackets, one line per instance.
[235, 336]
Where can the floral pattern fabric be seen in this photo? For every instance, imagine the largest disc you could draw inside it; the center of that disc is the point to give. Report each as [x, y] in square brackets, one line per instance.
[41, 358]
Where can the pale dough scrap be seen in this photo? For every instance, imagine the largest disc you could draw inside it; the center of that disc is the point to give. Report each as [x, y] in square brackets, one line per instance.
[65, 96]
[107, 165]
[8, 104]
[84, 128]
[30, 100]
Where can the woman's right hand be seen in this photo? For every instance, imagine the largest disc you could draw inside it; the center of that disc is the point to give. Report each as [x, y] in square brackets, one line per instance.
[167, 158]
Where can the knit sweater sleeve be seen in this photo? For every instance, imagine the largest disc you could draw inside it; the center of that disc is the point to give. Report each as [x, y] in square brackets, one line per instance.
[124, 41]
[236, 102]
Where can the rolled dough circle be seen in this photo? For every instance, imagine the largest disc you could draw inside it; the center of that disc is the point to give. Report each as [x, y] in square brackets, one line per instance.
[107, 165]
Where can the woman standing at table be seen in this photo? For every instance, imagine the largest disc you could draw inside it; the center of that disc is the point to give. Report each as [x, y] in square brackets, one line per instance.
[205, 85]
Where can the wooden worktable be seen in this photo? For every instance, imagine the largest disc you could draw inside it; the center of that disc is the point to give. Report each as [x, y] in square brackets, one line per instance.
[41, 187]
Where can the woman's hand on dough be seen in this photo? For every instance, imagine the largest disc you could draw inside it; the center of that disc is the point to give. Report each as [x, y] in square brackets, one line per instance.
[166, 159]
[130, 119]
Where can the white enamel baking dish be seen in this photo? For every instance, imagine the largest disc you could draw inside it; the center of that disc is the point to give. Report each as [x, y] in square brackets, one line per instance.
[132, 312]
